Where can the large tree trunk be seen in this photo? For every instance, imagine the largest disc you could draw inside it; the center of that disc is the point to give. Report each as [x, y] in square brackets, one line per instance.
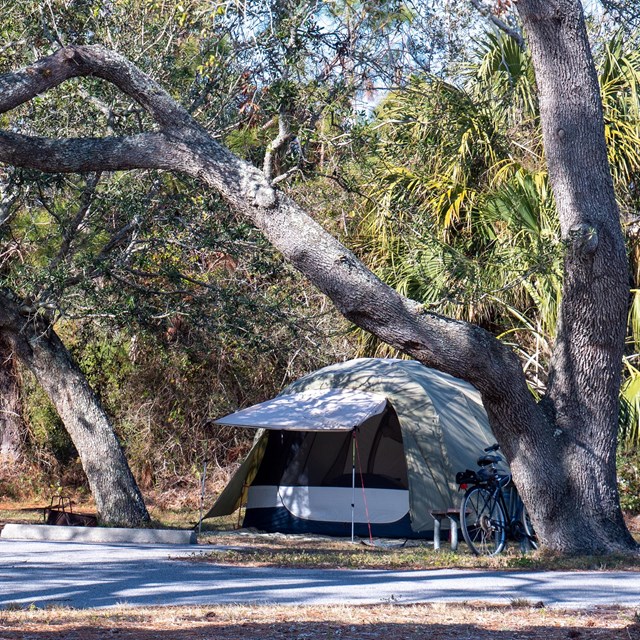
[118, 499]
[10, 408]
[562, 450]
[577, 505]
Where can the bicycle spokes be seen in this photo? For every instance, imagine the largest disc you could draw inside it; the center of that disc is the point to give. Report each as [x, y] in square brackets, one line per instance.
[483, 522]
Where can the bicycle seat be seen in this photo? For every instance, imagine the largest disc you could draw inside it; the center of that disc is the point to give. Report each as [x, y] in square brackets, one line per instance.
[483, 461]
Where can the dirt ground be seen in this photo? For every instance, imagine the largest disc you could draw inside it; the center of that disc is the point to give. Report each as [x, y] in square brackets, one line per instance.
[389, 622]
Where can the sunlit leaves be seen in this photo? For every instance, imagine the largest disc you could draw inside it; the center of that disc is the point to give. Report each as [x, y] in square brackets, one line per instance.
[464, 218]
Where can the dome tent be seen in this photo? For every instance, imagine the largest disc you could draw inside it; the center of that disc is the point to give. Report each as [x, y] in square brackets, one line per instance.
[406, 429]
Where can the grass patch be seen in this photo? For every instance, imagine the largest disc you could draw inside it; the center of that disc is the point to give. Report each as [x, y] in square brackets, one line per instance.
[21, 515]
[161, 517]
[275, 550]
[415, 560]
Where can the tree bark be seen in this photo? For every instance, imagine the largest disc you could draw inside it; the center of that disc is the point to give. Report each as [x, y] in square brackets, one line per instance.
[11, 427]
[561, 450]
[579, 501]
[118, 499]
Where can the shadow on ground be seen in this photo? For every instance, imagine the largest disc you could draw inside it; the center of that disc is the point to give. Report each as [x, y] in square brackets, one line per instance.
[190, 630]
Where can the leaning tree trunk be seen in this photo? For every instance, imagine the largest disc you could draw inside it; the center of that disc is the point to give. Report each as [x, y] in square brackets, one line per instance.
[11, 427]
[561, 450]
[114, 489]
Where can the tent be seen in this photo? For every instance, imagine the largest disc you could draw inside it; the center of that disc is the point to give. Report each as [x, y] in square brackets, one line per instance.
[368, 445]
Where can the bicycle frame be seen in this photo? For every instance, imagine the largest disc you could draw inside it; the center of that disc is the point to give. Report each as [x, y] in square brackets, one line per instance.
[491, 511]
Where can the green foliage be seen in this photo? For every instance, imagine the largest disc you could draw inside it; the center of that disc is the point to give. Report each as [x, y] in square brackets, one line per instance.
[247, 143]
[620, 91]
[176, 310]
[103, 358]
[48, 439]
[628, 466]
[629, 421]
[459, 213]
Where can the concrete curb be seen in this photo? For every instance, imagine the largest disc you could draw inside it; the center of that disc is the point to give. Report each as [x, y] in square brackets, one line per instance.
[97, 534]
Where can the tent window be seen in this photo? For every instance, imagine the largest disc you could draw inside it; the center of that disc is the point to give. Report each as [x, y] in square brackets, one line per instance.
[386, 457]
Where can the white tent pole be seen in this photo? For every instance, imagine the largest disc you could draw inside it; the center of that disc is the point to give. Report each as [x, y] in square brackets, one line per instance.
[353, 483]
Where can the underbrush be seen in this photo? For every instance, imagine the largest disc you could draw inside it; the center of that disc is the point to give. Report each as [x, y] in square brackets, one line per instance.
[173, 500]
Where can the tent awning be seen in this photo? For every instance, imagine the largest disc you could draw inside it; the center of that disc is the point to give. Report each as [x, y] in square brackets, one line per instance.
[324, 410]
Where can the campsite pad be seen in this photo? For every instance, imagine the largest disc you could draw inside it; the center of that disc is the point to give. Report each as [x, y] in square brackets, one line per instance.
[112, 535]
[249, 547]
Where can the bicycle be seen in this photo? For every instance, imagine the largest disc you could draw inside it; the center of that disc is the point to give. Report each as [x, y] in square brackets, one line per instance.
[491, 511]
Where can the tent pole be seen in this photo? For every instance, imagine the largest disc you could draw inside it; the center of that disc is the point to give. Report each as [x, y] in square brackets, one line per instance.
[353, 483]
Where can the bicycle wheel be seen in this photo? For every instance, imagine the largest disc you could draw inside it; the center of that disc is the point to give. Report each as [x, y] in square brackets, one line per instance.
[482, 520]
[532, 540]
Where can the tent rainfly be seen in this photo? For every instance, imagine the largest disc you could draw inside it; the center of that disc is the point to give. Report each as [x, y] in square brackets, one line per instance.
[369, 446]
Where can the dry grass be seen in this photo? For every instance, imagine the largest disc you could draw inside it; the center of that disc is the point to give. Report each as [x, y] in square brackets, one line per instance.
[164, 513]
[277, 550]
[389, 622]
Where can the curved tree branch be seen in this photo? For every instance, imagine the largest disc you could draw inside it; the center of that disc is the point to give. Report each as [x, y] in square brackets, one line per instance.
[82, 61]
[458, 348]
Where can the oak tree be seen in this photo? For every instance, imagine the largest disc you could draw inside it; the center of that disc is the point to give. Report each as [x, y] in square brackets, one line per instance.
[562, 448]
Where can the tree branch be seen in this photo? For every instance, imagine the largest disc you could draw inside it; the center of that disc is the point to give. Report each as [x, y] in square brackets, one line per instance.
[10, 317]
[82, 155]
[461, 349]
[8, 197]
[501, 24]
[238, 180]
[78, 61]
[68, 234]
[284, 133]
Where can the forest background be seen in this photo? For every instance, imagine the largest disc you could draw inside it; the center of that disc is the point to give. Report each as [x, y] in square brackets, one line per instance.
[410, 130]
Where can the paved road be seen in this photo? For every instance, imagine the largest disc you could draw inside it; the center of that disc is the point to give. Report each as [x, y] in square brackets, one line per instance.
[101, 575]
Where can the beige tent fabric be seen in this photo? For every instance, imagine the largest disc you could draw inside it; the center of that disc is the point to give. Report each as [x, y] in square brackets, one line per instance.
[444, 426]
[317, 410]
[234, 495]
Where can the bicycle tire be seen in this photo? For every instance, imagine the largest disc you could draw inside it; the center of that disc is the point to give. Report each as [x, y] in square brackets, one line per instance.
[482, 521]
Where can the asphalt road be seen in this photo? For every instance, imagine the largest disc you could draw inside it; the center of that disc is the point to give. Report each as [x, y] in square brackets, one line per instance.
[105, 575]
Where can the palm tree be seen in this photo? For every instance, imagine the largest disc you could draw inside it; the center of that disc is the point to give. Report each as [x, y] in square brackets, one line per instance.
[464, 217]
